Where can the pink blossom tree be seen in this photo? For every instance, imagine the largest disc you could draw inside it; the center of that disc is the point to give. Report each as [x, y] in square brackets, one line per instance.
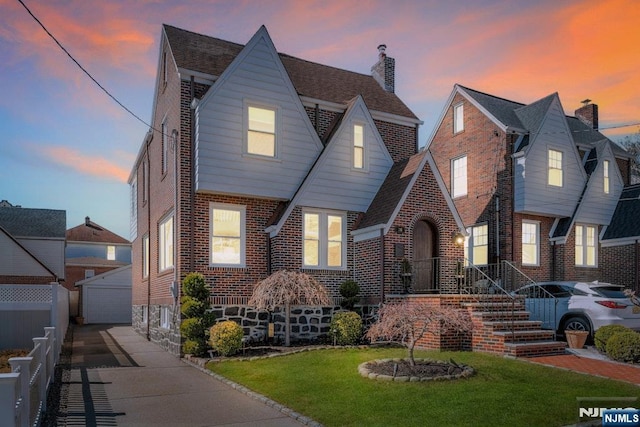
[406, 322]
[288, 288]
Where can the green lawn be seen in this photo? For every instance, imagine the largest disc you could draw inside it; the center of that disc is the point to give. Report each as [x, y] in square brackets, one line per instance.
[326, 386]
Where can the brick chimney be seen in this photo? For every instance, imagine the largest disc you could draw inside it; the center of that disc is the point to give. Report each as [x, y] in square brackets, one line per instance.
[384, 71]
[588, 114]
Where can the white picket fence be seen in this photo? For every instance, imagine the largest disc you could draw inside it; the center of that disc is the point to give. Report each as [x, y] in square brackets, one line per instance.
[23, 392]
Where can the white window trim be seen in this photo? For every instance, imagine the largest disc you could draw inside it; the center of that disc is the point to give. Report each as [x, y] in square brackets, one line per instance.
[145, 256]
[458, 112]
[469, 244]
[166, 267]
[365, 163]
[562, 168]
[454, 187]
[109, 251]
[584, 246]
[606, 176]
[537, 243]
[165, 317]
[243, 233]
[245, 128]
[324, 239]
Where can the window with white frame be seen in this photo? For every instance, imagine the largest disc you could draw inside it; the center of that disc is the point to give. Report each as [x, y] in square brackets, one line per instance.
[261, 131]
[227, 235]
[530, 243]
[165, 317]
[459, 177]
[605, 173]
[145, 256]
[358, 147]
[165, 251]
[324, 240]
[586, 245]
[458, 118]
[111, 252]
[165, 146]
[477, 245]
[555, 168]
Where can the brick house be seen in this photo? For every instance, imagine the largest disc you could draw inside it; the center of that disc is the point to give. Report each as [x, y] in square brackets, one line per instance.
[540, 189]
[259, 161]
[92, 250]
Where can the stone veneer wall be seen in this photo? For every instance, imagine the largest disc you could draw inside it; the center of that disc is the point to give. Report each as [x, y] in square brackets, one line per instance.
[308, 323]
[168, 339]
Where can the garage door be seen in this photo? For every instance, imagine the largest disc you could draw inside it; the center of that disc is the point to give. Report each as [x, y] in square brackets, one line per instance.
[104, 304]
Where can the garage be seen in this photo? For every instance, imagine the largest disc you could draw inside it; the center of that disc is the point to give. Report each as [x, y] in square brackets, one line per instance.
[106, 298]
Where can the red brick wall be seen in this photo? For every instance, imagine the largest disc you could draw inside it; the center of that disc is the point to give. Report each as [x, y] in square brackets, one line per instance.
[627, 256]
[401, 141]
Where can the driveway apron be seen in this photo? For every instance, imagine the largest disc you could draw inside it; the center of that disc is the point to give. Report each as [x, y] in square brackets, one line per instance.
[113, 376]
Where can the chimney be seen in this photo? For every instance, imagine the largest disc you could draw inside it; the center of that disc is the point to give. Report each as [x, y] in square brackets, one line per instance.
[588, 114]
[87, 220]
[384, 70]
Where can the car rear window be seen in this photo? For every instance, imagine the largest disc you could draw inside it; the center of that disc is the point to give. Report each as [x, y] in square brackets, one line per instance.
[610, 291]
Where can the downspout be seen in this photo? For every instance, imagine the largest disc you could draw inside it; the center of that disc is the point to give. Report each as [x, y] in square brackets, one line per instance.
[553, 260]
[192, 95]
[149, 138]
[268, 235]
[176, 224]
[497, 229]
[317, 118]
[382, 270]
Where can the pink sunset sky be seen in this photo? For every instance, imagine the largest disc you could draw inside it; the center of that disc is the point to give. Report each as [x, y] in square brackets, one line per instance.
[67, 145]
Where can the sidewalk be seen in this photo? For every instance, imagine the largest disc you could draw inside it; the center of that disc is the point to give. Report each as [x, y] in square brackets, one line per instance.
[112, 376]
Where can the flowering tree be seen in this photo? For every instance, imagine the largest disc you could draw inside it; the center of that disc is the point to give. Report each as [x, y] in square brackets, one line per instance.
[288, 288]
[406, 322]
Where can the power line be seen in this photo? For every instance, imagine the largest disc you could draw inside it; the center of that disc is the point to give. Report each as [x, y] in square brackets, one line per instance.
[82, 68]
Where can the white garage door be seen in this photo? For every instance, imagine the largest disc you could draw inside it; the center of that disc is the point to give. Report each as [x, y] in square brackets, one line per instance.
[104, 304]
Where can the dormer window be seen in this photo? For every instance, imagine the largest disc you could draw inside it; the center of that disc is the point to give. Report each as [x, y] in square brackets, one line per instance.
[555, 168]
[605, 172]
[458, 118]
[358, 147]
[261, 131]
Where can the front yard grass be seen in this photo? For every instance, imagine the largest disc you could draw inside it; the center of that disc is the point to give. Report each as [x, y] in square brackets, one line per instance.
[326, 386]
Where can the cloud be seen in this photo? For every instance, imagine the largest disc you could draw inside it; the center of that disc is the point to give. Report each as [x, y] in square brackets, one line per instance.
[95, 166]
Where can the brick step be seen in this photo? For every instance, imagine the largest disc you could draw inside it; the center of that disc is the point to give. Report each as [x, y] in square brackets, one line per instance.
[487, 316]
[494, 306]
[508, 324]
[524, 336]
[535, 349]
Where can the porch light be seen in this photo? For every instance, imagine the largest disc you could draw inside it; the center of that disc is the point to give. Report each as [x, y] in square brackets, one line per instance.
[458, 239]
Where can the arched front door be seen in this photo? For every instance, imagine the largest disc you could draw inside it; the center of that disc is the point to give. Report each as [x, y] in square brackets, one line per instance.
[425, 253]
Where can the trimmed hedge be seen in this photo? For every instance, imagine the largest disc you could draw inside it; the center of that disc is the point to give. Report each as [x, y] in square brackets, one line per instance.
[346, 328]
[624, 347]
[226, 338]
[603, 334]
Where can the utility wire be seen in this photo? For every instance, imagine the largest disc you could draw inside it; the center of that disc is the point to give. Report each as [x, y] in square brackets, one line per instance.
[82, 68]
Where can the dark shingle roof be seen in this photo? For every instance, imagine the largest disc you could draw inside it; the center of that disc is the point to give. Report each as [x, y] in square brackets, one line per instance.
[502, 109]
[212, 56]
[89, 231]
[531, 115]
[25, 222]
[624, 222]
[391, 191]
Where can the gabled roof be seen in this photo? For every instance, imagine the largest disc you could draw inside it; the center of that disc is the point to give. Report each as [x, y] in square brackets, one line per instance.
[26, 222]
[501, 108]
[27, 253]
[532, 115]
[211, 56]
[624, 223]
[89, 231]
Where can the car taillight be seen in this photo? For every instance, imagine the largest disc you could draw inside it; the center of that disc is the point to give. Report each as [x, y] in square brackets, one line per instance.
[612, 304]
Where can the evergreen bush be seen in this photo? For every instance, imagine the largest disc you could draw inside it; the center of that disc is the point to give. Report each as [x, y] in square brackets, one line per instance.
[197, 319]
[226, 338]
[349, 291]
[624, 347]
[603, 334]
[346, 328]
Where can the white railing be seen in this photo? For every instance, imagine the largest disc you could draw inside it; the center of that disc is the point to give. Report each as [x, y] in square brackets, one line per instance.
[23, 392]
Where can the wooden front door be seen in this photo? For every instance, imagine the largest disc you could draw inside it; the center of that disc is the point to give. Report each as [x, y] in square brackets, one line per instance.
[425, 252]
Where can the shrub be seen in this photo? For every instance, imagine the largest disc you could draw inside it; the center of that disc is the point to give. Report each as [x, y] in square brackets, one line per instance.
[624, 347]
[349, 291]
[192, 328]
[194, 347]
[346, 328]
[226, 337]
[192, 307]
[195, 286]
[196, 315]
[603, 334]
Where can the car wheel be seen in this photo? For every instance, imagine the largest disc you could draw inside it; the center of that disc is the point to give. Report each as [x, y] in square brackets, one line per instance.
[577, 324]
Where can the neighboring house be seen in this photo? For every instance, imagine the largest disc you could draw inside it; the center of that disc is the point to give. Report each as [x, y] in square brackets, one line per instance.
[106, 297]
[31, 245]
[91, 251]
[537, 188]
[259, 161]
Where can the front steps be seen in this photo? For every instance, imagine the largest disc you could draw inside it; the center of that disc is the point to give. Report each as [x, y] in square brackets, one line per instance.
[502, 326]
